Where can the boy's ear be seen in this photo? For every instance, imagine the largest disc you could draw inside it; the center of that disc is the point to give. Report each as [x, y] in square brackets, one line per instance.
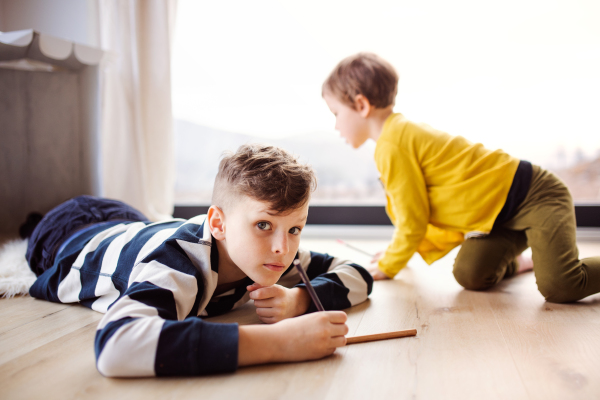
[216, 222]
[363, 106]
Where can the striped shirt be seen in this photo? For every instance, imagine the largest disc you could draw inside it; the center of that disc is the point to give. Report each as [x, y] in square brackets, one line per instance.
[155, 282]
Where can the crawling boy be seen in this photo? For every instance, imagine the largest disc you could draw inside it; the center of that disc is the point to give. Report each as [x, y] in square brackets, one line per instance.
[444, 191]
[153, 280]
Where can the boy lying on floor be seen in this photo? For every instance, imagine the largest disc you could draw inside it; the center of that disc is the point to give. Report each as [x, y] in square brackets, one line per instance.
[153, 280]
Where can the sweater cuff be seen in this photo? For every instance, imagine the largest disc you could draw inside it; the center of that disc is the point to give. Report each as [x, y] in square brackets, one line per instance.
[196, 347]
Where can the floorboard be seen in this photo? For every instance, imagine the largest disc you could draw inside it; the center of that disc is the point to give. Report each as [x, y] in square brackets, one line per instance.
[503, 343]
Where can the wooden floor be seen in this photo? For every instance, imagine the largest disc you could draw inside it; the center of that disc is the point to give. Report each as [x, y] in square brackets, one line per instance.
[503, 344]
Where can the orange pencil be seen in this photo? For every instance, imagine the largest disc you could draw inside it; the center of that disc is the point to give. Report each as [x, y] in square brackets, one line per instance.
[381, 336]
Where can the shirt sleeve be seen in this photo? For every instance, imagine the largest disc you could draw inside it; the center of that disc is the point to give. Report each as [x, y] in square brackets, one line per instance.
[408, 205]
[152, 330]
[339, 283]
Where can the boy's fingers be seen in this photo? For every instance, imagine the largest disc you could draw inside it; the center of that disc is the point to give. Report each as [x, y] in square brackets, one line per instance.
[253, 287]
[338, 341]
[337, 317]
[256, 293]
[379, 276]
[268, 320]
[338, 330]
[265, 312]
[265, 303]
[265, 292]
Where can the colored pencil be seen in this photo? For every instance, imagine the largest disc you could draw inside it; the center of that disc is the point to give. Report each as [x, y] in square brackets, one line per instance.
[311, 290]
[381, 336]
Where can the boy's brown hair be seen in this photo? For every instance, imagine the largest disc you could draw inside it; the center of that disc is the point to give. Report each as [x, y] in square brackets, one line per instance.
[264, 173]
[366, 74]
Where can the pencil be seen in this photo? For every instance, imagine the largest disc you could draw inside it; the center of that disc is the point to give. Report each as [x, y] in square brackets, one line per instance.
[311, 290]
[381, 336]
[355, 248]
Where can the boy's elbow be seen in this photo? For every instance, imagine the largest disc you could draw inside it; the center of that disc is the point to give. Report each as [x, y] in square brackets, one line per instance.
[108, 369]
[366, 277]
[125, 349]
[358, 282]
[118, 364]
[108, 365]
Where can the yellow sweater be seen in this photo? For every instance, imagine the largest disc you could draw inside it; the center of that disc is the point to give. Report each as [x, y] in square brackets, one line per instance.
[439, 188]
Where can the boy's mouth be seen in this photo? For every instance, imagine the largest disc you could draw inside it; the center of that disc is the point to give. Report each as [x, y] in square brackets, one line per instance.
[275, 267]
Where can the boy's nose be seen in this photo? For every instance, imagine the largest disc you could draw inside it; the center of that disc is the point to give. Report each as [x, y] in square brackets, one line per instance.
[280, 244]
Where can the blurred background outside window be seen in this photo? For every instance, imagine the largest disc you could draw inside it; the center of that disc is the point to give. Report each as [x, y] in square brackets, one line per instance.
[517, 75]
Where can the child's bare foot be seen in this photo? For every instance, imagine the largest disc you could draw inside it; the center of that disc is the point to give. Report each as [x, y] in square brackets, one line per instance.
[524, 264]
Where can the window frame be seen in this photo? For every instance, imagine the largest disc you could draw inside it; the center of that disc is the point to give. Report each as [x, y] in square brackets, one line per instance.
[586, 214]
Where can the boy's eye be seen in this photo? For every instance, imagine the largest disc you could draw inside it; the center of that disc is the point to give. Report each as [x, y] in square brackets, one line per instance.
[295, 231]
[264, 226]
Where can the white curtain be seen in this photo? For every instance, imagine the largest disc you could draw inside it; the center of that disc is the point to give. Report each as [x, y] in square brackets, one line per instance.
[137, 122]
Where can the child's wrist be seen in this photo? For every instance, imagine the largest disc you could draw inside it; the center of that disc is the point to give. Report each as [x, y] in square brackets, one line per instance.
[258, 344]
[302, 301]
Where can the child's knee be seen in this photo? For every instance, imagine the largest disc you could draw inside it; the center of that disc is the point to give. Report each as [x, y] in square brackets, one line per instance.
[558, 291]
[470, 277]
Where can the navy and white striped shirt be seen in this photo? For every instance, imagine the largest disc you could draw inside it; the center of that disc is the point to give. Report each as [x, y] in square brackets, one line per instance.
[153, 281]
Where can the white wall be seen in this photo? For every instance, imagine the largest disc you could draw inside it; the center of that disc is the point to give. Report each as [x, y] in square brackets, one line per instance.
[75, 20]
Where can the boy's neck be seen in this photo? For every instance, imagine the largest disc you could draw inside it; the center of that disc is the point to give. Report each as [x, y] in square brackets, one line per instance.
[377, 119]
[228, 271]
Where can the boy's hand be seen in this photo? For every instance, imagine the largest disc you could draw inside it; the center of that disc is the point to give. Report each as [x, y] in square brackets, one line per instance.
[315, 335]
[276, 303]
[376, 272]
[308, 337]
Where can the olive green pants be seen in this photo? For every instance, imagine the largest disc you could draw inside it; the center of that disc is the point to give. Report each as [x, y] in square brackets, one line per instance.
[546, 222]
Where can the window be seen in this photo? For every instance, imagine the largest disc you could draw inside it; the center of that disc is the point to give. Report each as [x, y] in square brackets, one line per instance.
[517, 75]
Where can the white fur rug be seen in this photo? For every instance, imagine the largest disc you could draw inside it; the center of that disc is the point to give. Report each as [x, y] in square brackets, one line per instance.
[15, 276]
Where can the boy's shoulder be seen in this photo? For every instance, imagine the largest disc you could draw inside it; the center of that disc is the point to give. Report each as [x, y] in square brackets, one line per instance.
[402, 132]
[194, 233]
[193, 230]
[172, 242]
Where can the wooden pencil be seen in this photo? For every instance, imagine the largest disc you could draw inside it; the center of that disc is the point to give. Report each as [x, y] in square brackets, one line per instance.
[381, 336]
[309, 287]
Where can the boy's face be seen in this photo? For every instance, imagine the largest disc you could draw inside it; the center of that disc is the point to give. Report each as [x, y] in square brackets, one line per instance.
[348, 121]
[260, 242]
